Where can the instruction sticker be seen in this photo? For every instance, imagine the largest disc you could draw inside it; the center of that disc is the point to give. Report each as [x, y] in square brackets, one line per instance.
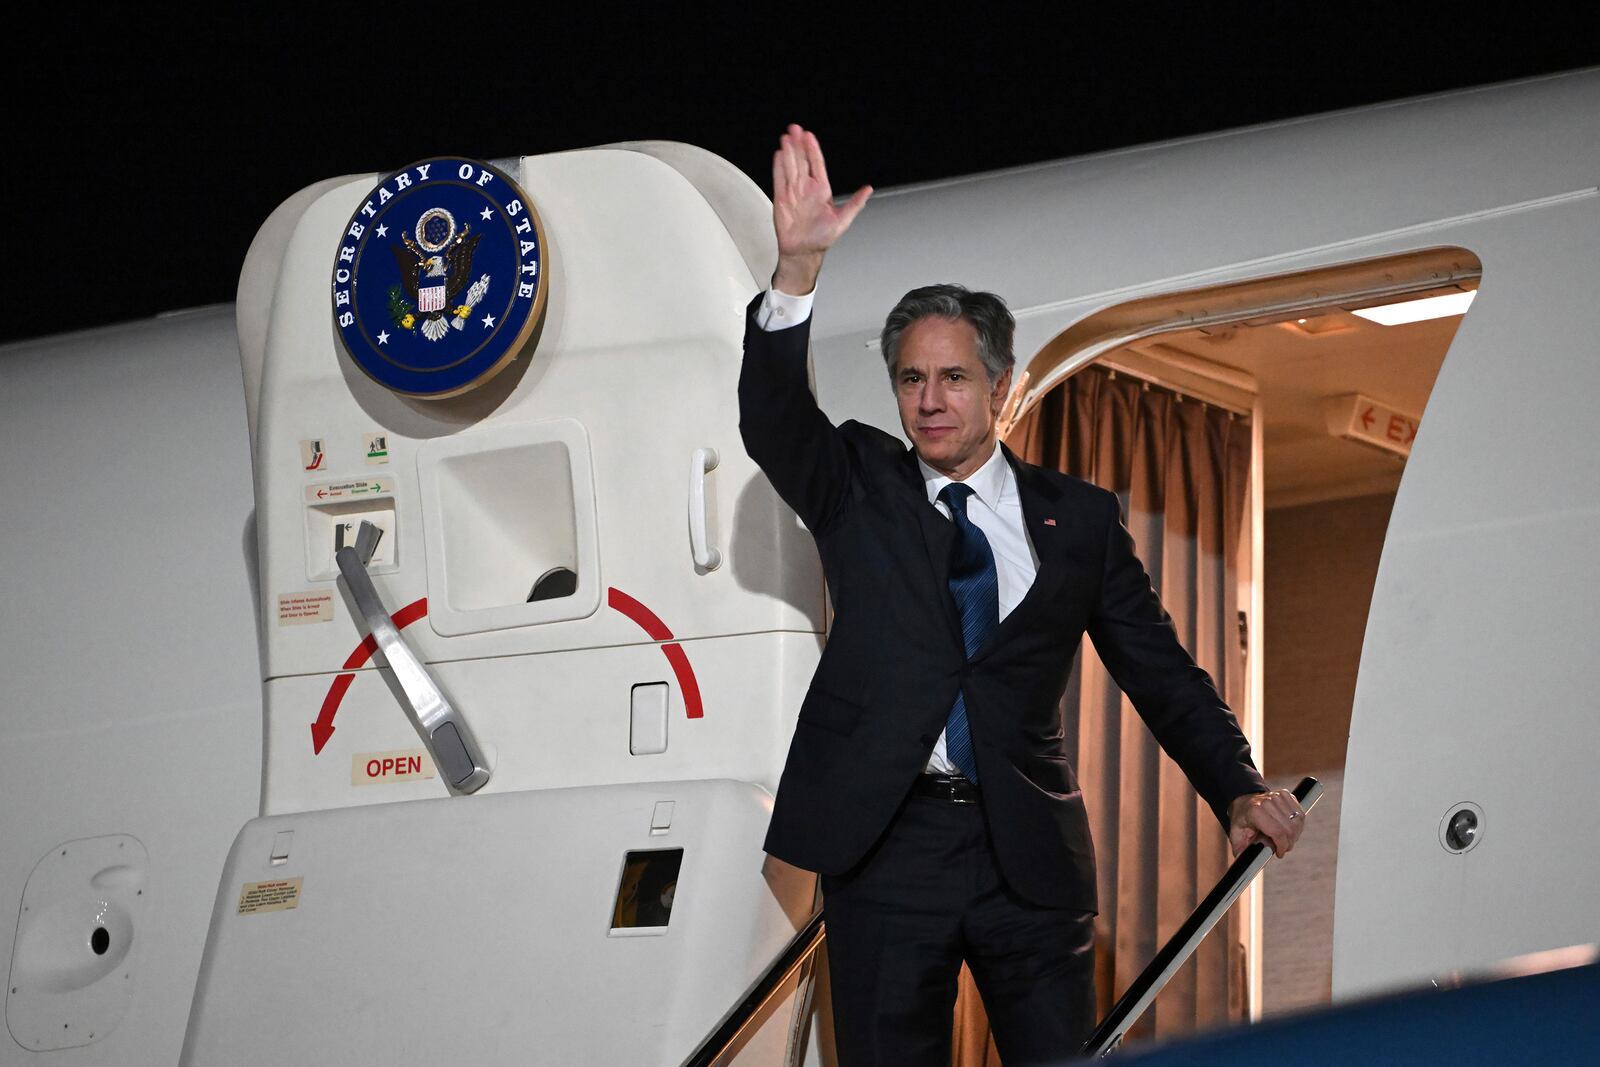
[376, 446]
[259, 897]
[379, 768]
[351, 490]
[311, 454]
[297, 609]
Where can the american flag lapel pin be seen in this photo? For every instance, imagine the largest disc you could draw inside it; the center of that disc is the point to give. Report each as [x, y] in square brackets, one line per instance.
[1049, 522]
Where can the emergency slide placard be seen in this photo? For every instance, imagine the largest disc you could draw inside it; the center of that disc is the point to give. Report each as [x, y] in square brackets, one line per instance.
[257, 898]
[297, 609]
[355, 489]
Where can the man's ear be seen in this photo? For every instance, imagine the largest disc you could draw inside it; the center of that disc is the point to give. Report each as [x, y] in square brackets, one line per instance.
[1002, 389]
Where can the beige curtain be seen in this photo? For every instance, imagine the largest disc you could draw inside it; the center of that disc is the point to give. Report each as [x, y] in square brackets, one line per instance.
[1182, 469]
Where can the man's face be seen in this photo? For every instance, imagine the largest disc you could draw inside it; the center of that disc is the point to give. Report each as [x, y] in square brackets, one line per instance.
[947, 405]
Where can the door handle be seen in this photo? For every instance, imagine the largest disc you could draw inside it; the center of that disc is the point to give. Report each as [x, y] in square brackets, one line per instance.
[450, 741]
[706, 555]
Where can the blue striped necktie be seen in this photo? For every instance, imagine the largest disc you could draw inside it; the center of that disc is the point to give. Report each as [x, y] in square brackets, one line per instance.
[975, 585]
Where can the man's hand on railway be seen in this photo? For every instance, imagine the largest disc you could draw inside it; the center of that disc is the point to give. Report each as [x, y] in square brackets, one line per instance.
[803, 213]
[1274, 817]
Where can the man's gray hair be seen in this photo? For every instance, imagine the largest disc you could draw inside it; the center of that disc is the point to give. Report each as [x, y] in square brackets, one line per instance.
[986, 311]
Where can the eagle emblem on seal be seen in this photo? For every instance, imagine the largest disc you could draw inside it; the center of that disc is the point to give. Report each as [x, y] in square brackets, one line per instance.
[436, 290]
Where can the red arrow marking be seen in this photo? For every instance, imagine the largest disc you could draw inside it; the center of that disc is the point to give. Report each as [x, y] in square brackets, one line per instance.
[322, 729]
[1366, 419]
[651, 624]
[647, 620]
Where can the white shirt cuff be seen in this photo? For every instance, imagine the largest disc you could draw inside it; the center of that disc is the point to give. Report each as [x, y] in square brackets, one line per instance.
[779, 310]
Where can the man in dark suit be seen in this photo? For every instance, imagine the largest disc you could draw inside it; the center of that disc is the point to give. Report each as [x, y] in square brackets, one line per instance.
[926, 781]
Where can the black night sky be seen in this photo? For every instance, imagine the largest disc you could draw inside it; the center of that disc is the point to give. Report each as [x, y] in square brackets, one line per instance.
[142, 151]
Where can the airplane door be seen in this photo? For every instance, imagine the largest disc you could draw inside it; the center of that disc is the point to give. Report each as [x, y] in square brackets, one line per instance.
[1475, 692]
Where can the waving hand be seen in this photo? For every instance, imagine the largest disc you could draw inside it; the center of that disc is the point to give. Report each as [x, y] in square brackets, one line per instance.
[804, 216]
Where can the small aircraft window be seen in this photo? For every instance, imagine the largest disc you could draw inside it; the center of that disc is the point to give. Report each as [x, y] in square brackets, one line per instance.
[649, 885]
[554, 584]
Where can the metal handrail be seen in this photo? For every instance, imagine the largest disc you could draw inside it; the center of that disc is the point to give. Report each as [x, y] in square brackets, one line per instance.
[1123, 1014]
[1181, 945]
[726, 1035]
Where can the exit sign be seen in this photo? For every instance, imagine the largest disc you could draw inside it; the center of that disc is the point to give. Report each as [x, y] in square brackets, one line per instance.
[1360, 418]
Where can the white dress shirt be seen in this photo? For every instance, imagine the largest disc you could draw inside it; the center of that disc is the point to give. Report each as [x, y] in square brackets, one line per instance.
[994, 506]
[779, 310]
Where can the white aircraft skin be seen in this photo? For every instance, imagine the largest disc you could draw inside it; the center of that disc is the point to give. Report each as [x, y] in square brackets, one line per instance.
[153, 516]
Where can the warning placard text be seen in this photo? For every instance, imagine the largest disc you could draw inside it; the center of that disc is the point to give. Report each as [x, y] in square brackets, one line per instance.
[297, 609]
[258, 897]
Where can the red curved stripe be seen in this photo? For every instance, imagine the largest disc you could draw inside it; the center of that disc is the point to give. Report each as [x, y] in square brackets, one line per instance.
[648, 620]
[651, 624]
[686, 680]
[341, 684]
[402, 618]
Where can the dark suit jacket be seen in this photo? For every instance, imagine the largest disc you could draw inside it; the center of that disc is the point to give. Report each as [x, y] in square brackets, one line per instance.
[895, 656]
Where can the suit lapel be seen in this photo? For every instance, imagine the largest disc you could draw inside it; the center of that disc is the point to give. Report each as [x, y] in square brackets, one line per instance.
[938, 538]
[1047, 528]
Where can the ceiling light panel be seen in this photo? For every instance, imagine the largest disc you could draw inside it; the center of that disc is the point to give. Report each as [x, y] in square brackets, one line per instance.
[1432, 307]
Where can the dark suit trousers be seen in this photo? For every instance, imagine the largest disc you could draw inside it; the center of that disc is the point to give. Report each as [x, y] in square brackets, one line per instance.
[927, 896]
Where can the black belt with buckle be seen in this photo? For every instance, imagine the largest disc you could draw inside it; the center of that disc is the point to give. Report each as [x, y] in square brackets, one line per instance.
[952, 787]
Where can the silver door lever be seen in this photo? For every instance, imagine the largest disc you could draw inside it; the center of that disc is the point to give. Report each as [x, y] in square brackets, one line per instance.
[454, 749]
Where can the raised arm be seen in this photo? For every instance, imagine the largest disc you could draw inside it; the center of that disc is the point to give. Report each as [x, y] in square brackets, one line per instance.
[783, 429]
